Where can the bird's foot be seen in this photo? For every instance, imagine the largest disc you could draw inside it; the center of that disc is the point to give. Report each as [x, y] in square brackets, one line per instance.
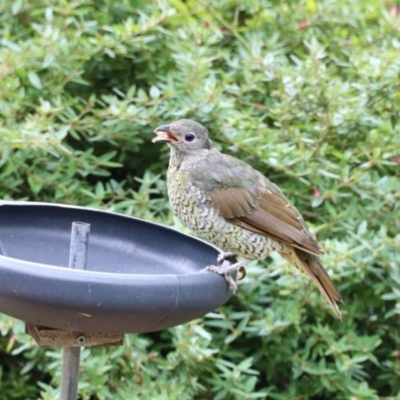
[227, 256]
[227, 272]
[230, 256]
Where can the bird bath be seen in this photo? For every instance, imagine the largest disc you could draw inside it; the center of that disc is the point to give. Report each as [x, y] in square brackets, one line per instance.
[129, 276]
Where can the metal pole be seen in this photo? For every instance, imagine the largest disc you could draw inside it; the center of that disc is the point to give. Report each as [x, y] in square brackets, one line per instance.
[71, 355]
[70, 373]
[79, 245]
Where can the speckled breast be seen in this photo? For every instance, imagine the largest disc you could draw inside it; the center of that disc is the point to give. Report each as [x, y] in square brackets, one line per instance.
[194, 208]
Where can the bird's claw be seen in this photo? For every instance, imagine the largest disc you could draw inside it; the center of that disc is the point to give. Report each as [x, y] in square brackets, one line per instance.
[242, 271]
[227, 272]
[226, 256]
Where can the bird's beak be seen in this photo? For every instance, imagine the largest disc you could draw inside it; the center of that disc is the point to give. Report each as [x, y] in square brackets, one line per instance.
[164, 135]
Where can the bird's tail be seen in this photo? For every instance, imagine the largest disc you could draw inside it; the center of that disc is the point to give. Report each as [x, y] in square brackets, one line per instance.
[310, 265]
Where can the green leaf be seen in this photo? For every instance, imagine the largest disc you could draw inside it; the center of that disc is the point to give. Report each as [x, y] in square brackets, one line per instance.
[311, 6]
[34, 80]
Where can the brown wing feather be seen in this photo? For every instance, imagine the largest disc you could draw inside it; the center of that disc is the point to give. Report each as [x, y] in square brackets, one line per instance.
[234, 203]
[267, 213]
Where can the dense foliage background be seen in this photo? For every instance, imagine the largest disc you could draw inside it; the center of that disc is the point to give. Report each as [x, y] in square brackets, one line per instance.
[306, 91]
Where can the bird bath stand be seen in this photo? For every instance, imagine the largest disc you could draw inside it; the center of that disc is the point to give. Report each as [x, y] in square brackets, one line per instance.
[72, 290]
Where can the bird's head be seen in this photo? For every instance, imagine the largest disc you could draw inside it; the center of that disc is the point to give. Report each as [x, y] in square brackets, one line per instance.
[185, 136]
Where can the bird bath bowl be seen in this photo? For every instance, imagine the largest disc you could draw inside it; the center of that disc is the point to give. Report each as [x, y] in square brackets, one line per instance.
[139, 276]
[74, 289]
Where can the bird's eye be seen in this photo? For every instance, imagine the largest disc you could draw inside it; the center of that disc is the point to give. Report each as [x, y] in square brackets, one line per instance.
[189, 137]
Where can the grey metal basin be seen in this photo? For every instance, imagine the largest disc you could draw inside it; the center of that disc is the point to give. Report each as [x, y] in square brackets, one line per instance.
[140, 276]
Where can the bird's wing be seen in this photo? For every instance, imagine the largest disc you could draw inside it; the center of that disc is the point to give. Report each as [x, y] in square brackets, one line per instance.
[248, 199]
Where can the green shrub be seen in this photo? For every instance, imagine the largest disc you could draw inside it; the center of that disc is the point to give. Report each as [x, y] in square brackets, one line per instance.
[306, 91]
